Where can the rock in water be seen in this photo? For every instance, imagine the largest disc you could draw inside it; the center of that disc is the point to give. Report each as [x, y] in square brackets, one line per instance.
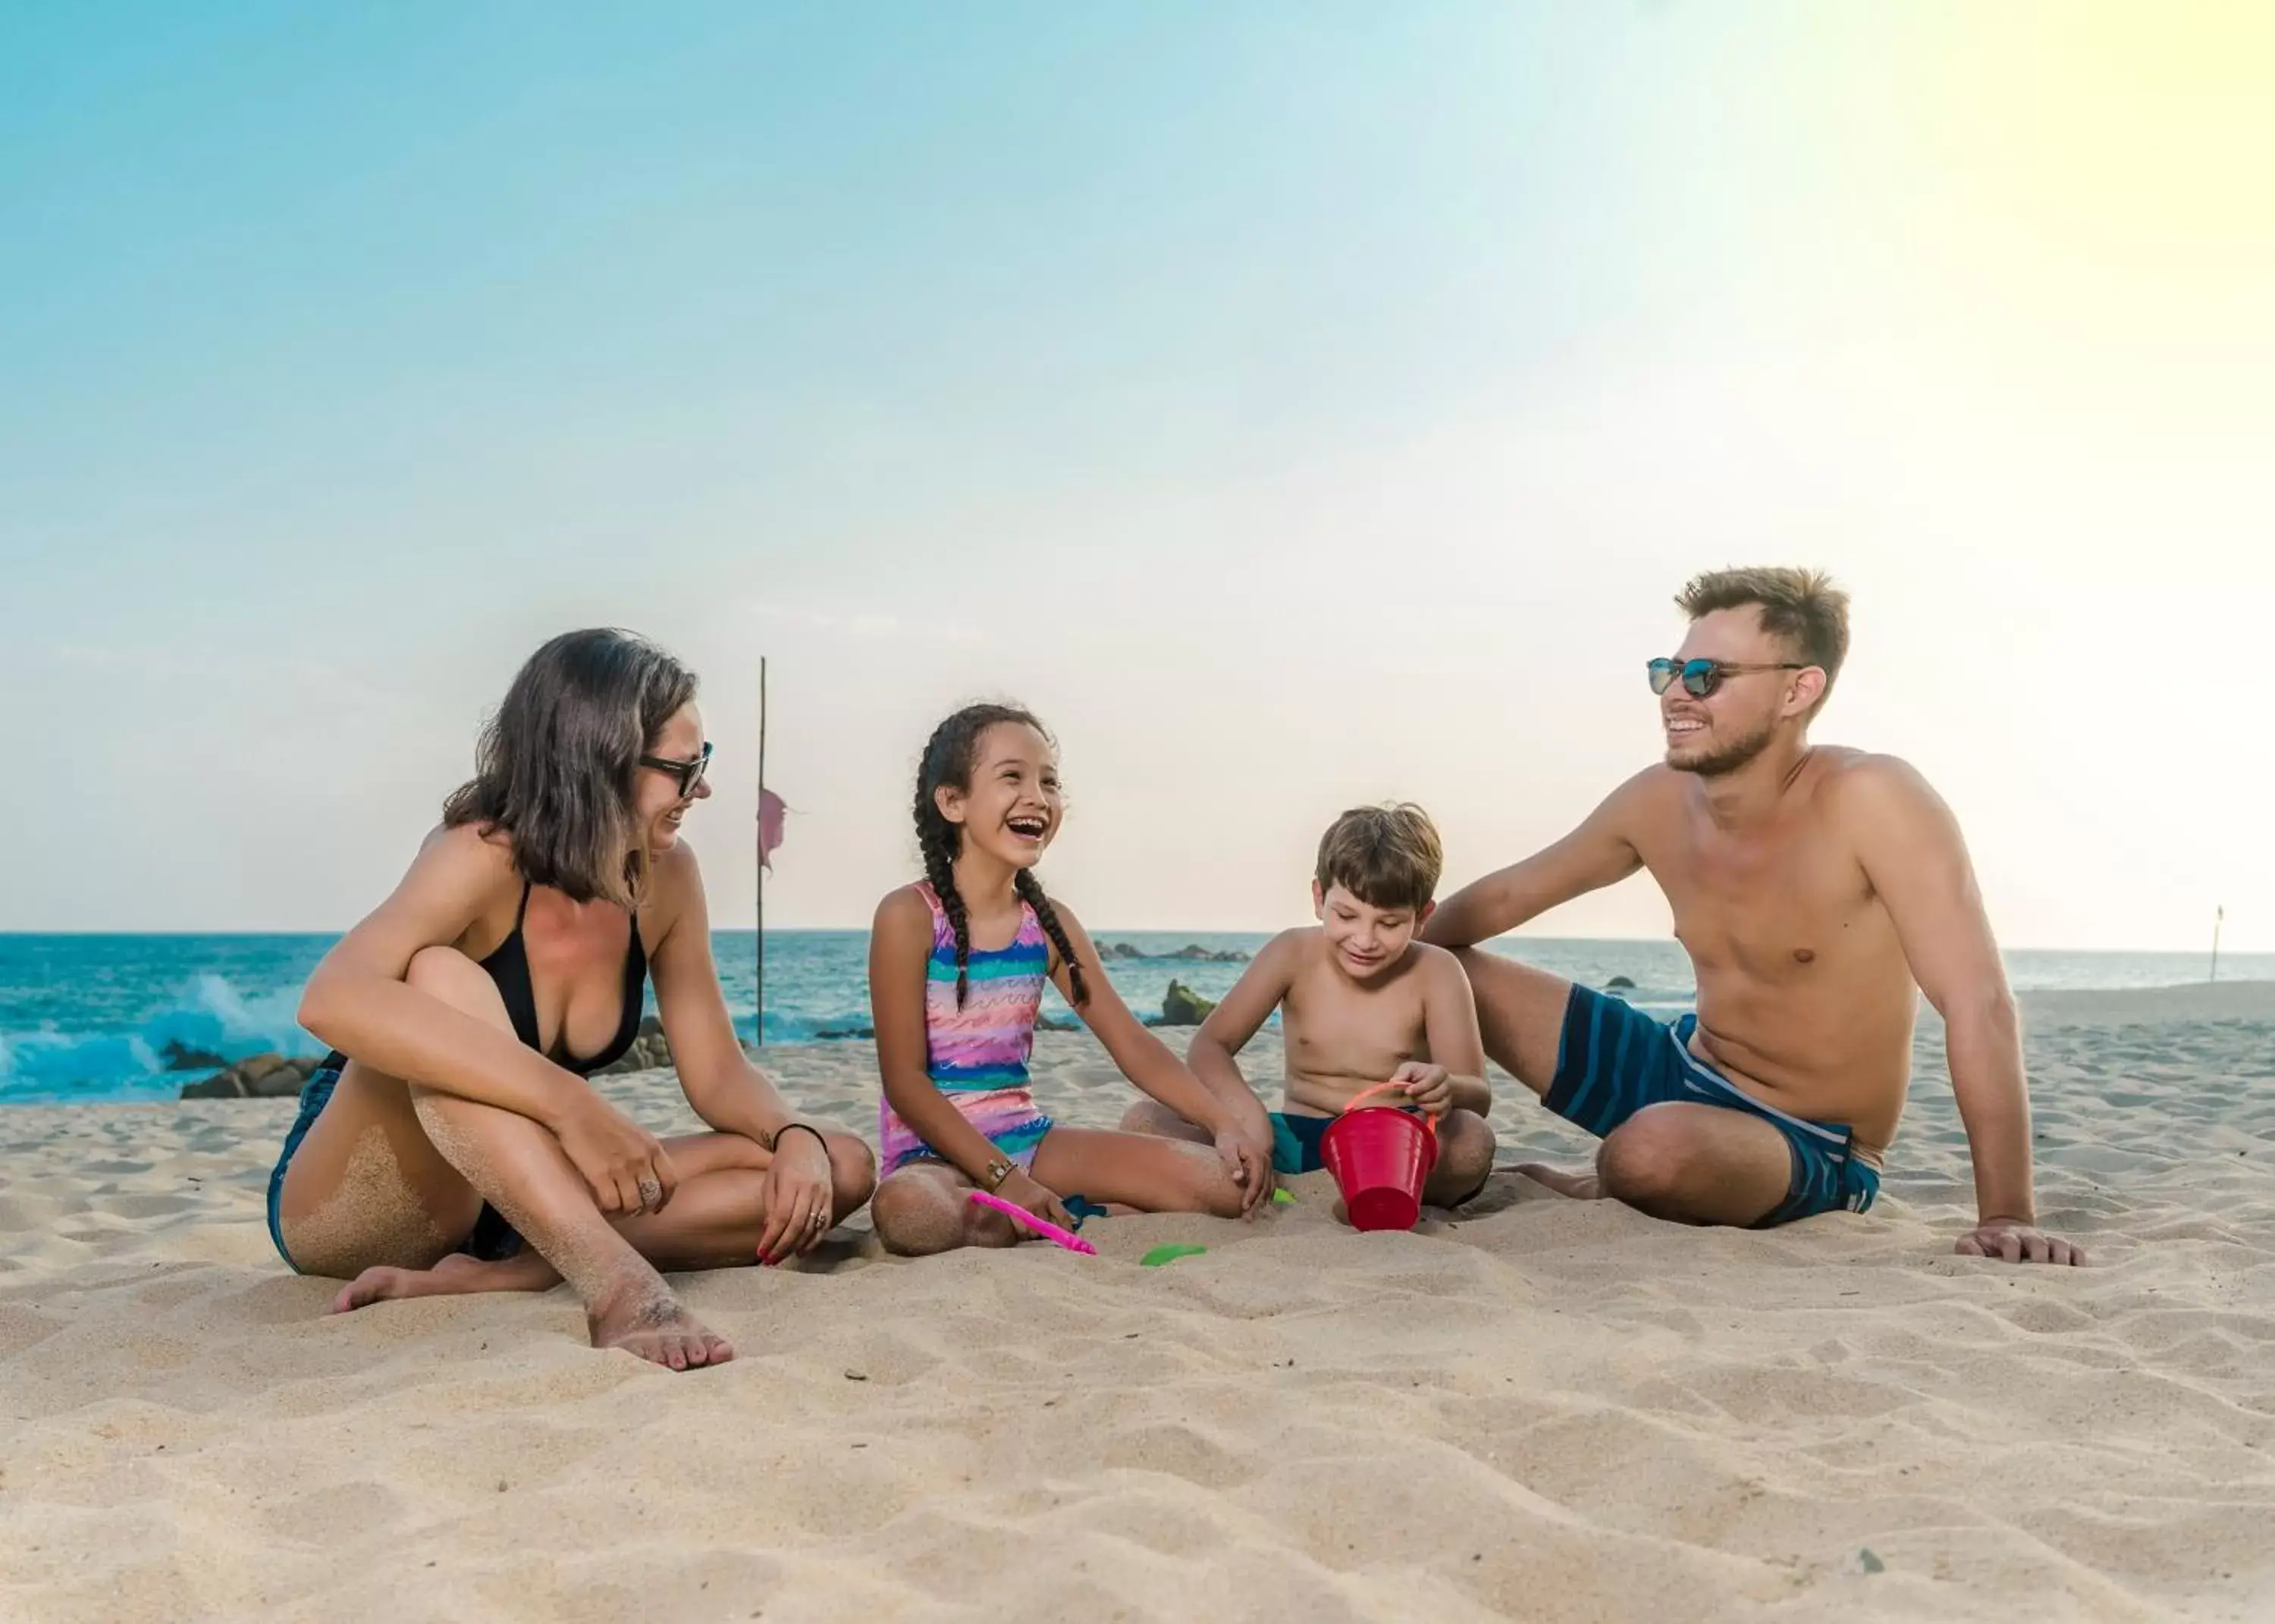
[1191, 953]
[1619, 984]
[180, 1057]
[263, 1076]
[1180, 1006]
[649, 1051]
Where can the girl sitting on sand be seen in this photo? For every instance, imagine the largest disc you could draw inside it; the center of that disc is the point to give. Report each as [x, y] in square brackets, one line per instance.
[956, 963]
[461, 1149]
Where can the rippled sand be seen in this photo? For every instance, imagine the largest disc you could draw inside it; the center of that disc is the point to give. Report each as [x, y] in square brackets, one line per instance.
[1535, 1409]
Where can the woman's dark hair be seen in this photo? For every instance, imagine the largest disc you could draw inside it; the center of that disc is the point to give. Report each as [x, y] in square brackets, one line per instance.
[947, 759]
[556, 763]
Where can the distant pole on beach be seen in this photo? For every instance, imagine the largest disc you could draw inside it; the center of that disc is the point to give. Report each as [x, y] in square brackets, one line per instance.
[759, 982]
[2218, 914]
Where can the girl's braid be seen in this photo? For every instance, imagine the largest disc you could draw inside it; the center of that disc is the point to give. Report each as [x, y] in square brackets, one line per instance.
[940, 869]
[1031, 891]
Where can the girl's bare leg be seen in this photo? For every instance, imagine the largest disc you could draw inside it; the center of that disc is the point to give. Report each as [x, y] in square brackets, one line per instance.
[1151, 1116]
[1138, 1170]
[925, 1209]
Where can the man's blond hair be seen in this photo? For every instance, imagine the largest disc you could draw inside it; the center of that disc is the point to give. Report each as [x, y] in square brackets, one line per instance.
[1800, 607]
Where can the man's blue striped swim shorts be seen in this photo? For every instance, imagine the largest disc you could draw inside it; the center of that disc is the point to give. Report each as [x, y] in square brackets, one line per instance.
[1614, 1060]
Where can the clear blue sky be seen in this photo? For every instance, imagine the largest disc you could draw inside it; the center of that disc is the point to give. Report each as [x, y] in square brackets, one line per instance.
[1296, 403]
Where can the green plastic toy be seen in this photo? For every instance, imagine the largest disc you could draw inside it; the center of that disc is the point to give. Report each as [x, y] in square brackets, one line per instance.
[1281, 1197]
[1160, 1255]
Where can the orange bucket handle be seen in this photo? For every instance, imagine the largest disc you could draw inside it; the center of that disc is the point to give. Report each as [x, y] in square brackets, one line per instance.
[1428, 1121]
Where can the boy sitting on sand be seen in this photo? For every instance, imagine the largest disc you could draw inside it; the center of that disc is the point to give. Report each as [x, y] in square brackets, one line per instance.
[1361, 1003]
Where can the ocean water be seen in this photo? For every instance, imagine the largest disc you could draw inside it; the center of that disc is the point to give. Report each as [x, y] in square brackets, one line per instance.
[89, 1017]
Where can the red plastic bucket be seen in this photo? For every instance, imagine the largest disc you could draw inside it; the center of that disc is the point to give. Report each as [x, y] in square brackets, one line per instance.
[1380, 1158]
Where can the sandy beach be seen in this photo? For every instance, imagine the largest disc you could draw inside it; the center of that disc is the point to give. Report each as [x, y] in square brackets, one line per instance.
[1534, 1409]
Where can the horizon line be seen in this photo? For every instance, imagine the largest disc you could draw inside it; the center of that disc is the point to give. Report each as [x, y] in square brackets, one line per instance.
[1100, 933]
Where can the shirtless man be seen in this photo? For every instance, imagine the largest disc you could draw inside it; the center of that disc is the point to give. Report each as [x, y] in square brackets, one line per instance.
[1362, 1003]
[1812, 886]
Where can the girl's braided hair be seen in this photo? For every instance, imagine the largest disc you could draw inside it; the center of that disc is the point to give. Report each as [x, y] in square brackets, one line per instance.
[947, 759]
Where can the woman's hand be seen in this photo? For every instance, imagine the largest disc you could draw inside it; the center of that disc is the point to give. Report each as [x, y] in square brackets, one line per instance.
[623, 1165]
[798, 1195]
[1022, 1191]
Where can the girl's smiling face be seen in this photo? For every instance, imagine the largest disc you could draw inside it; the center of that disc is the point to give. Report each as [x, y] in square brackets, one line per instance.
[1011, 808]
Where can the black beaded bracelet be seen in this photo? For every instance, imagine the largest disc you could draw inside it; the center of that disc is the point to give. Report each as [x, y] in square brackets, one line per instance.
[805, 1127]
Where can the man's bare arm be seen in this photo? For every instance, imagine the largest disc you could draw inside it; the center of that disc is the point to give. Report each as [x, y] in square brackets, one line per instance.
[1596, 854]
[1916, 860]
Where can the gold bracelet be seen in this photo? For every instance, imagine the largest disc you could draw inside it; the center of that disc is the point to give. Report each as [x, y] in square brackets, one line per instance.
[999, 1173]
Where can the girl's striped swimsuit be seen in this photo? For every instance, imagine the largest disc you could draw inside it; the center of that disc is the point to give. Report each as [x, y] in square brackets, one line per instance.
[976, 1056]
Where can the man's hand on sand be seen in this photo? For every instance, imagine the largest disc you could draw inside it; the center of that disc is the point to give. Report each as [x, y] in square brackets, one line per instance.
[2016, 1242]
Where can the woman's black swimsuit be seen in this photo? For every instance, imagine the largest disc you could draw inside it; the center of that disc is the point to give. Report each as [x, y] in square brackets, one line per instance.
[492, 1238]
[509, 966]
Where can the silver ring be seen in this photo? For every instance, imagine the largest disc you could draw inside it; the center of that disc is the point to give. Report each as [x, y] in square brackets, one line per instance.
[819, 1218]
[651, 1192]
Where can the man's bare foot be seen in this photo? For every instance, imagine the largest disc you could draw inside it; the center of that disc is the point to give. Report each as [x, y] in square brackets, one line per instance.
[645, 1320]
[455, 1275]
[1579, 1186]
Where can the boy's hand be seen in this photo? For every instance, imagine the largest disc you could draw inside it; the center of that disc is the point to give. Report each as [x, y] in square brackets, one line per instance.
[1430, 1087]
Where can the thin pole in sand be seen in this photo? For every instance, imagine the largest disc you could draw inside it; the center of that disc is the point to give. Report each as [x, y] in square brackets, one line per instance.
[2218, 914]
[759, 982]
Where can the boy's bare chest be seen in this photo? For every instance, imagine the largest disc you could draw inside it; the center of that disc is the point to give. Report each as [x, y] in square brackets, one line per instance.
[1333, 1028]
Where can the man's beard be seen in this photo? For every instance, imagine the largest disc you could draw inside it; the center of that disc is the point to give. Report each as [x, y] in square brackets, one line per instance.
[1726, 760]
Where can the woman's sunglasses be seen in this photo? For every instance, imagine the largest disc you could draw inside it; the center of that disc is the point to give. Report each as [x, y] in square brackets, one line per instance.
[1701, 677]
[689, 774]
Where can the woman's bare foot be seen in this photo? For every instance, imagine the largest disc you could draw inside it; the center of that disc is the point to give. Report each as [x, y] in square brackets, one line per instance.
[455, 1275]
[1580, 1186]
[645, 1320]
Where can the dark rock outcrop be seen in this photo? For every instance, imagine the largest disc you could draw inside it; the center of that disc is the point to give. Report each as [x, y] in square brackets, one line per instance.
[1191, 953]
[260, 1076]
[180, 1057]
[1180, 1006]
[648, 1052]
[1619, 984]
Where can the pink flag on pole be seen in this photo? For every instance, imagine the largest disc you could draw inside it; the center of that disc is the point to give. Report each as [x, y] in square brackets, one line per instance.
[770, 828]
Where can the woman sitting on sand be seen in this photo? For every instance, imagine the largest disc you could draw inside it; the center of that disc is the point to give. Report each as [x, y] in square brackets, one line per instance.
[956, 966]
[461, 1148]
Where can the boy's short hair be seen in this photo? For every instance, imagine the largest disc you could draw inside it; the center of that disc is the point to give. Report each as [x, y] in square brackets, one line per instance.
[1387, 856]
